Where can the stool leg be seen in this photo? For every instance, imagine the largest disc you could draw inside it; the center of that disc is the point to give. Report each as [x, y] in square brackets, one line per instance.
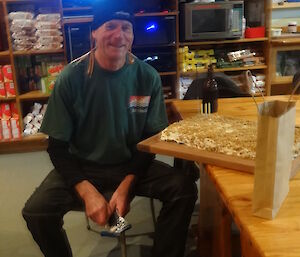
[122, 240]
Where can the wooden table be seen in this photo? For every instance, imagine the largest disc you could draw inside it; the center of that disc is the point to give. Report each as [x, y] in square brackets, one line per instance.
[226, 195]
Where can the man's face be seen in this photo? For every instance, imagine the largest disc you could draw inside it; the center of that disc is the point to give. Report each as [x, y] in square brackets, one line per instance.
[113, 39]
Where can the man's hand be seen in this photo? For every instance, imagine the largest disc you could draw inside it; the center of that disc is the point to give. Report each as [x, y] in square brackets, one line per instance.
[96, 207]
[120, 200]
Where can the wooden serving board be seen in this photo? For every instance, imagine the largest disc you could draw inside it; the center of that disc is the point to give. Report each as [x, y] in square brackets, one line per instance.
[157, 146]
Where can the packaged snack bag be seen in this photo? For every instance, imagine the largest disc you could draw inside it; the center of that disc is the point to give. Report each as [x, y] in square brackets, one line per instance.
[54, 17]
[10, 89]
[20, 15]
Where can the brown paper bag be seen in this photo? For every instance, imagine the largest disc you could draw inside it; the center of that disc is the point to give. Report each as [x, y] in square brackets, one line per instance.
[275, 138]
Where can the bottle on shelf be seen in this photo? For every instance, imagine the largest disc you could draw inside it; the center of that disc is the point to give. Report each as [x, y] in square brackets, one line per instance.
[210, 92]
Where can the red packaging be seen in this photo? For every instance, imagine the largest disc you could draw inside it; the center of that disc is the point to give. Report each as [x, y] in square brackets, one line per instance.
[1, 75]
[5, 111]
[14, 110]
[7, 73]
[10, 89]
[15, 128]
[2, 90]
[6, 129]
[255, 32]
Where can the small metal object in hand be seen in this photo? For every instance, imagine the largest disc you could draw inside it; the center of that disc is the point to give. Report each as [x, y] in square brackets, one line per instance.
[116, 226]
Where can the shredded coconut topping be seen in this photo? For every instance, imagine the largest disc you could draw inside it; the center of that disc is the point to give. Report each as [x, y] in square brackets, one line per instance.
[216, 133]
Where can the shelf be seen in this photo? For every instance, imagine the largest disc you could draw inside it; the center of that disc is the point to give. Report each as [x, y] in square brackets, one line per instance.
[258, 67]
[38, 142]
[286, 41]
[153, 46]
[24, 1]
[33, 95]
[166, 13]
[285, 6]
[230, 41]
[4, 53]
[35, 52]
[7, 99]
[82, 8]
[77, 20]
[168, 73]
[282, 80]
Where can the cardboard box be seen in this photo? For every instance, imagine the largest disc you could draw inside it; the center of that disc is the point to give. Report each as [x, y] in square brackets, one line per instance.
[14, 110]
[10, 89]
[7, 73]
[2, 90]
[53, 69]
[5, 111]
[48, 84]
[15, 128]
[6, 130]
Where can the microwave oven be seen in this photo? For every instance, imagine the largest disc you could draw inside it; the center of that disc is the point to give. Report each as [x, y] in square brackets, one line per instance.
[216, 20]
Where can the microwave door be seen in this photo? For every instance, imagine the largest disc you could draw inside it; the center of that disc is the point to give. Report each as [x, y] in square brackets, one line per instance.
[229, 20]
[210, 23]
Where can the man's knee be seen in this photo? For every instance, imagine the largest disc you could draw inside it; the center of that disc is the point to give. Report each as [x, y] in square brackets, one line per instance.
[183, 186]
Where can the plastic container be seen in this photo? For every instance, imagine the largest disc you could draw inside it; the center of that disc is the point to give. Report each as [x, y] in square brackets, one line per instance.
[255, 32]
[276, 32]
[292, 27]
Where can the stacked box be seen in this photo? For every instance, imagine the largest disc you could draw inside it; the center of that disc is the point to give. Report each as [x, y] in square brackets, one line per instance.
[9, 122]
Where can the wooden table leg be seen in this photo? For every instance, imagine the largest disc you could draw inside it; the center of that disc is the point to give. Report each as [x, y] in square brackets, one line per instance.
[214, 225]
[247, 249]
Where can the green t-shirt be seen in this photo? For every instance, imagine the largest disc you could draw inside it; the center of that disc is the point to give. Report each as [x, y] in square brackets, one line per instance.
[105, 115]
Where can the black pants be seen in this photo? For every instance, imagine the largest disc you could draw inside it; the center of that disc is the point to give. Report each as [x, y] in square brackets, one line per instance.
[46, 207]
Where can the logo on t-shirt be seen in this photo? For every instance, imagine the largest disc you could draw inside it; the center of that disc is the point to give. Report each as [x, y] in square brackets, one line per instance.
[139, 103]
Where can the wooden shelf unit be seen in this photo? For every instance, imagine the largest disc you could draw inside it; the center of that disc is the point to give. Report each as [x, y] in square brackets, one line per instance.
[284, 43]
[266, 45]
[261, 43]
[171, 76]
[8, 57]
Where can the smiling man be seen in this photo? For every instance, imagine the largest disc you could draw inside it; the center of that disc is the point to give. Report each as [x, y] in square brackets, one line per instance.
[102, 105]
